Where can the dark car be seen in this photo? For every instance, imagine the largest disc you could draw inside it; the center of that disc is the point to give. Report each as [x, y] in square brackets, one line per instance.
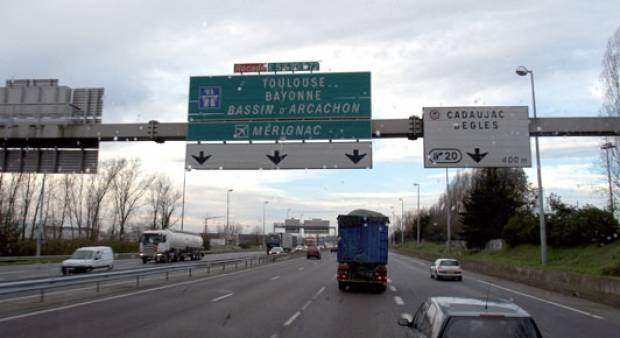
[452, 317]
[313, 252]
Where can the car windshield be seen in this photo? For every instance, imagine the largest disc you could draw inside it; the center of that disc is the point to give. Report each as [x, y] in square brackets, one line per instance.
[449, 263]
[82, 254]
[151, 239]
[489, 327]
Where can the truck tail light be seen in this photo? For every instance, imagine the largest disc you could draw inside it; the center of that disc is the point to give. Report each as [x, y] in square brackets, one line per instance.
[343, 266]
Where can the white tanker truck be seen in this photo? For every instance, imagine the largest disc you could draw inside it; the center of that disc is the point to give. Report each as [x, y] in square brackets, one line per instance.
[169, 246]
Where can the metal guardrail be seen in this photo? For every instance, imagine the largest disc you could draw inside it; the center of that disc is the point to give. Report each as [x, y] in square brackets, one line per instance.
[42, 285]
[127, 255]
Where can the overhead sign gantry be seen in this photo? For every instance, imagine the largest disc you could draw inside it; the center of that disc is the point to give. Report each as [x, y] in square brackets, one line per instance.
[476, 137]
[334, 107]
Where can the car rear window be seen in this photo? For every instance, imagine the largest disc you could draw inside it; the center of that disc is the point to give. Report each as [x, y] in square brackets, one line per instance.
[490, 327]
[449, 263]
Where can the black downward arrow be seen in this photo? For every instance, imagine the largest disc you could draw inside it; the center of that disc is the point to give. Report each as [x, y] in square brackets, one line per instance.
[355, 157]
[477, 156]
[202, 158]
[276, 158]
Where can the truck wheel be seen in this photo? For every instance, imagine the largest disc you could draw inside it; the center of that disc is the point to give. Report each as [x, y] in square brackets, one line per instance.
[144, 260]
[342, 286]
[381, 288]
[64, 271]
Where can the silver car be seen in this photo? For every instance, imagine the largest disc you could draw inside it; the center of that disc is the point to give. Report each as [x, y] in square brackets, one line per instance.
[453, 317]
[445, 268]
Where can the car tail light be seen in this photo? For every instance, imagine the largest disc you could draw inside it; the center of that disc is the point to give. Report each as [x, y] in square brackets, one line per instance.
[493, 315]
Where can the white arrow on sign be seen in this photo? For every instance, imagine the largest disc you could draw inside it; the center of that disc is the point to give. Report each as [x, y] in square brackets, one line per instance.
[315, 155]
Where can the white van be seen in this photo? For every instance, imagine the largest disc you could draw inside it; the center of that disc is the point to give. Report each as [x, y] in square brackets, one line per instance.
[89, 258]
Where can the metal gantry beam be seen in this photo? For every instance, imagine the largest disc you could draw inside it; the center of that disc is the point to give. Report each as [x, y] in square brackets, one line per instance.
[86, 136]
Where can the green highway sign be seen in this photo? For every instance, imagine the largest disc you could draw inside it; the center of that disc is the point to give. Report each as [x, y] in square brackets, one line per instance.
[279, 130]
[281, 96]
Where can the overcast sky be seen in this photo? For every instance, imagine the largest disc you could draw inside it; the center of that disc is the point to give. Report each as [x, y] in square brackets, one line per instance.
[420, 53]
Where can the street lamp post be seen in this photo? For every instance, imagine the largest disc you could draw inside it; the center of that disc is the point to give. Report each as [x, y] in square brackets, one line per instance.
[393, 219]
[448, 213]
[418, 214]
[185, 170]
[606, 147]
[228, 209]
[522, 71]
[402, 222]
[264, 207]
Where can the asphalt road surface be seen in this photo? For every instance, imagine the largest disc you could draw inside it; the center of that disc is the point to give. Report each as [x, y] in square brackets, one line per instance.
[32, 271]
[297, 298]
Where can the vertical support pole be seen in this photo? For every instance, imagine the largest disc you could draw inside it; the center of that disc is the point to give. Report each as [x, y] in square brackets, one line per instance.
[40, 227]
[448, 212]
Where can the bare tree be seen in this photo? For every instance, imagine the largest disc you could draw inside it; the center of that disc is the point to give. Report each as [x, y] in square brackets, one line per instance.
[610, 80]
[26, 201]
[163, 198]
[98, 187]
[128, 190]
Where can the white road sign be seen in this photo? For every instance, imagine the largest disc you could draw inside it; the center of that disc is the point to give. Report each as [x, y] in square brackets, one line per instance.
[476, 137]
[319, 155]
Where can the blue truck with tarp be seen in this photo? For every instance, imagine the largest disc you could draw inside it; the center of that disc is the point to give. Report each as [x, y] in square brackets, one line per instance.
[362, 249]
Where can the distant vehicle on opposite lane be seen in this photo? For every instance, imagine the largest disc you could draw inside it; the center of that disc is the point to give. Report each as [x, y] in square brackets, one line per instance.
[86, 259]
[452, 317]
[446, 268]
[276, 250]
[299, 248]
[313, 252]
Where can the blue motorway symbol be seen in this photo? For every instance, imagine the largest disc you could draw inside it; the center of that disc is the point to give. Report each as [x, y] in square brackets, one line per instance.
[210, 97]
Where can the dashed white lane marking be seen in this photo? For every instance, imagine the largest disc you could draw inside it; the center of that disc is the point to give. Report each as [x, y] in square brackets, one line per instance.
[275, 277]
[292, 319]
[275, 335]
[300, 268]
[542, 300]
[318, 293]
[303, 308]
[393, 288]
[217, 299]
[100, 300]
[398, 300]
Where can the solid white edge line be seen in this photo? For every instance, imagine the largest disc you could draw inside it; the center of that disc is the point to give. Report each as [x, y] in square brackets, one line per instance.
[566, 307]
[100, 300]
[217, 299]
[541, 300]
[398, 300]
[292, 319]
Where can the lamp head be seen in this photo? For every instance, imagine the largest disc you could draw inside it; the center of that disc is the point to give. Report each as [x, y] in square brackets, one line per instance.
[522, 71]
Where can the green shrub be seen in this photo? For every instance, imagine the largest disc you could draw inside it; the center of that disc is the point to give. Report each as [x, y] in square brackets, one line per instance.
[612, 269]
[522, 228]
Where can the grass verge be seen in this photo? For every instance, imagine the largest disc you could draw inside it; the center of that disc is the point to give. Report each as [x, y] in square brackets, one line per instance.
[590, 259]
